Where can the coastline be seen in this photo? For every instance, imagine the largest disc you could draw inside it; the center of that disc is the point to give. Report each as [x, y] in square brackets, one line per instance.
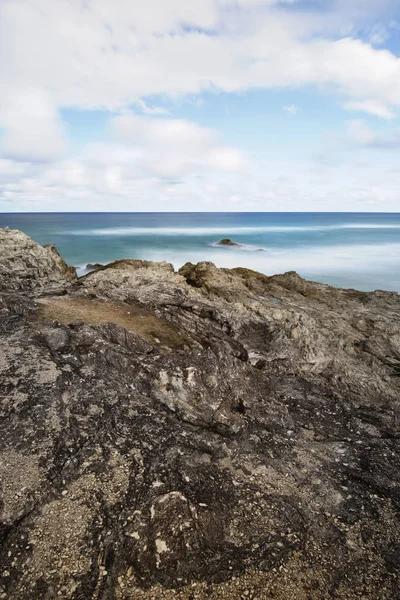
[358, 251]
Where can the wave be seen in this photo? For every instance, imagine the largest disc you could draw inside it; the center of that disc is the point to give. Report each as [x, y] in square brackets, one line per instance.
[188, 231]
[364, 267]
[319, 258]
[242, 247]
[125, 231]
[365, 226]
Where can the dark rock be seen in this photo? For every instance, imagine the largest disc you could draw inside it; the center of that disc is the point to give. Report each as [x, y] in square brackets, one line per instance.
[228, 242]
[212, 433]
[93, 266]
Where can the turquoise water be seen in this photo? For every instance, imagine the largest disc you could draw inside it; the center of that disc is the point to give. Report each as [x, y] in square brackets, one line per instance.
[358, 250]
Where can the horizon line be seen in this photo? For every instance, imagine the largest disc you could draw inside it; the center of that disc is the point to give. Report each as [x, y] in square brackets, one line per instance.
[184, 212]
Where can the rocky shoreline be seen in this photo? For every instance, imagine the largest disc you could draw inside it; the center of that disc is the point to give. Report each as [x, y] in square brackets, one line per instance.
[206, 433]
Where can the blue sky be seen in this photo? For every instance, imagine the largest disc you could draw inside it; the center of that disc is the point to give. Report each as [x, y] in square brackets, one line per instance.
[201, 105]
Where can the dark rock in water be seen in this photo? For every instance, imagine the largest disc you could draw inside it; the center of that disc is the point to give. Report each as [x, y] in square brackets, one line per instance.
[227, 242]
[211, 433]
[93, 266]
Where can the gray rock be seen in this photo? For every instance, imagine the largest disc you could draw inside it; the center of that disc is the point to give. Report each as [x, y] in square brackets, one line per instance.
[25, 265]
[56, 338]
[211, 433]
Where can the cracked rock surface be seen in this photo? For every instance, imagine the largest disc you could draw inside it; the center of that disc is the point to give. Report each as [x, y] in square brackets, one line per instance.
[207, 433]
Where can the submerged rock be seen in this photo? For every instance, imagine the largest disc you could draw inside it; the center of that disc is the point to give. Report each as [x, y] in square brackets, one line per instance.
[211, 433]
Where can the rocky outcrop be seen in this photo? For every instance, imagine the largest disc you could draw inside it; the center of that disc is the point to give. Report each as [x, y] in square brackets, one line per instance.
[227, 242]
[26, 265]
[207, 433]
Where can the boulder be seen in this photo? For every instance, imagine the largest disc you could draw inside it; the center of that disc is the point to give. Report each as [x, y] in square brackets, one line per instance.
[25, 265]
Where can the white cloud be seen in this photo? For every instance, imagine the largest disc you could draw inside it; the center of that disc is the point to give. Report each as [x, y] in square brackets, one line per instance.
[112, 54]
[33, 130]
[379, 34]
[93, 182]
[151, 110]
[373, 107]
[360, 133]
[292, 109]
[173, 147]
[228, 159]
[173, 133]
[98, 54]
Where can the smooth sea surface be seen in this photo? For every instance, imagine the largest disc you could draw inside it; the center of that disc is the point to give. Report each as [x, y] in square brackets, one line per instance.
[350, 250]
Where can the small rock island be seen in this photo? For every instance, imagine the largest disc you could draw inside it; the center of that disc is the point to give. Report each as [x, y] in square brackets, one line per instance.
[227, 242]
[194, 434]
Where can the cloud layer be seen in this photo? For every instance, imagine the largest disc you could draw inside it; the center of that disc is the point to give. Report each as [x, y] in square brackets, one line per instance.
[102, 54]
[97, 54]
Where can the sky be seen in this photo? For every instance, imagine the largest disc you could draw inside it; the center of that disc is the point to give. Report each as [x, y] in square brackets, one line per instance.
[200, 105]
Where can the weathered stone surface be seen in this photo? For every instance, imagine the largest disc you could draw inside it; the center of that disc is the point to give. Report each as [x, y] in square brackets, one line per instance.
[25, 265]
[211, 433]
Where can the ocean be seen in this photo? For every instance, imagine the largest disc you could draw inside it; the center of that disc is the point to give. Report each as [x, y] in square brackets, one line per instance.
[349, 250]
